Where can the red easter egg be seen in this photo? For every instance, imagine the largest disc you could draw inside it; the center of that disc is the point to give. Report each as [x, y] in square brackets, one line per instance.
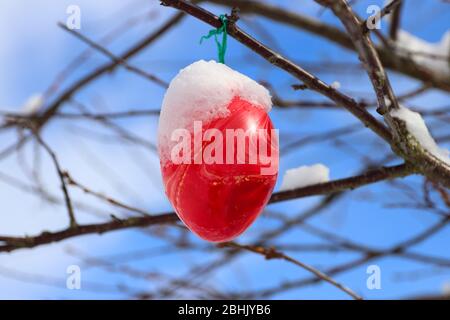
[219, 201]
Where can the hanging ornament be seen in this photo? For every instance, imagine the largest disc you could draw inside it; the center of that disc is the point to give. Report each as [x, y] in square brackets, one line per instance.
[218, 148]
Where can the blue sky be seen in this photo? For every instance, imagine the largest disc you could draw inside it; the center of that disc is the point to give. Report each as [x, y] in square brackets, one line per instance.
[33, 50]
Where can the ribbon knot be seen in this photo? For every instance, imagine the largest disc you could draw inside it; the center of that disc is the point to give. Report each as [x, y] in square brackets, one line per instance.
[221, 46]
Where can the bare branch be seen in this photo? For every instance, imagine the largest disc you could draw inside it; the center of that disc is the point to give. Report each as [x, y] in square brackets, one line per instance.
[114, 58]
[404, 144]
[272, 253]
[390, 59]
[106, 68]
[108, 199]
[13, 243]
[395, 21]
[276, 59]
[61, 174]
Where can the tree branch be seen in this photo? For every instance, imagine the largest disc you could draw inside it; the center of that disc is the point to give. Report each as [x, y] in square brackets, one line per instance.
[276, 59]
[272, 253]
[332, 187]
[114, 58]
[390, 59]
[395, 22]
[404, 143]
[68, 201]
[53, 108]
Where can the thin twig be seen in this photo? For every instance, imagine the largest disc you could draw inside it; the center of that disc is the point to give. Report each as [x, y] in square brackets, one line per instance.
[67, 94]
[404, 143]
[101, 196]
[276, 59]
[272, 253]
[395, 22]
[113, 57]
[61, 174]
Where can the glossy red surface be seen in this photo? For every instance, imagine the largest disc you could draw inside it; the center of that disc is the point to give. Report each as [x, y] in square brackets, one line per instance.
[220, 201]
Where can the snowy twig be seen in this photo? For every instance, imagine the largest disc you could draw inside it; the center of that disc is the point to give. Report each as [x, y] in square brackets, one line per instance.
[333, 186]
[405, 144]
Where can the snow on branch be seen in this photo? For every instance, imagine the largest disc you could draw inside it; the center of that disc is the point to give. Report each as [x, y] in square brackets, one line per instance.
[305, 176]
[416, 126]
[431, 56]
[33, 104]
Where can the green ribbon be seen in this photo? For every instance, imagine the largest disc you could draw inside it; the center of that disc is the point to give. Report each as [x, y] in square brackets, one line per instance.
[221, 47]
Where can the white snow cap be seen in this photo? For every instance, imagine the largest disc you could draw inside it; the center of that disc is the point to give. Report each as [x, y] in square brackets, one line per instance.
[432, 56]
[305, 176]
[336, 85]
[33, 104]
[202, 92]
[417, 127]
